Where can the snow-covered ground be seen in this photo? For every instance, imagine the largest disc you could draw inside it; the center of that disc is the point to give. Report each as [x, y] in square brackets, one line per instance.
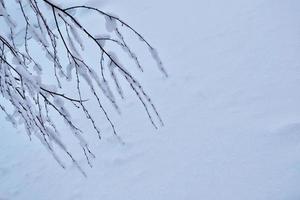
[231, 108]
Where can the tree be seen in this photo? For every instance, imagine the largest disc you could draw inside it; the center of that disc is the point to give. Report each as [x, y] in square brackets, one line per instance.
[61, 37]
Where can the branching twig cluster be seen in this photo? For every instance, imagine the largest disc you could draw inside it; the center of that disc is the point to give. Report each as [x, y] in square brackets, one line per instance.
[55, 28]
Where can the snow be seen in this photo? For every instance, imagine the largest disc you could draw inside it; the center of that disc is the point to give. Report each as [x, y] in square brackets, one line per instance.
[111, 24]
[230, 107]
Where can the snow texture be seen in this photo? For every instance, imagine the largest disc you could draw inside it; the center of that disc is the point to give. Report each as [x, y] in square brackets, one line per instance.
[231, 108]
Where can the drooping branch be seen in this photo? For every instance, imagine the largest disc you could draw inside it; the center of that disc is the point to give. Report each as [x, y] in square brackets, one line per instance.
[59, 33]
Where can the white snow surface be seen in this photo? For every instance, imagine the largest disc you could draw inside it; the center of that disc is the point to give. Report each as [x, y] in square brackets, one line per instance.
[231, 108]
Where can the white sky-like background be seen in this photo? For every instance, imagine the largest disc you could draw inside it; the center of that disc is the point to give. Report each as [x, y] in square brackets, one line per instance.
[231, 108]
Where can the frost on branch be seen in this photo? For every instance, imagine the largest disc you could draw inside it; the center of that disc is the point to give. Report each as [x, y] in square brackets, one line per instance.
[61, 38]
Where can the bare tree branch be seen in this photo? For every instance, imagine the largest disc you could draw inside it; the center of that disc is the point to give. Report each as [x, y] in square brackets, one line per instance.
[61, 35]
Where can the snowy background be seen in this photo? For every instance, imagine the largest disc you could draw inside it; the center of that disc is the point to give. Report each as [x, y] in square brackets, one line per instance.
[231, 107]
